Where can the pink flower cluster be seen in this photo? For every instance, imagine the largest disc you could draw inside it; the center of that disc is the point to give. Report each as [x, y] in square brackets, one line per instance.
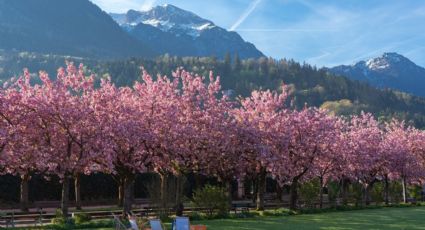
[184, 123]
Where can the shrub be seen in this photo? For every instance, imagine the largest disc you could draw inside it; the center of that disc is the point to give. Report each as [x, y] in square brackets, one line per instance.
[277, 212]
[213, 199]
[165, 218]
[415, 191]
[333, 189]
[59, 218]
[60, 222]
[377, 192]
[356, 193]
[81, 217]
[396, 190]
[309, 192]
[244, 214]
[195, 216]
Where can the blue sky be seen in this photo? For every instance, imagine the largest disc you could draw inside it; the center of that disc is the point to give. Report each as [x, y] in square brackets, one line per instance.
[322, 33]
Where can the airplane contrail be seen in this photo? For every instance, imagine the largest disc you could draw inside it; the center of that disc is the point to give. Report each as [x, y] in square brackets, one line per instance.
[287, 30]
[245, 14]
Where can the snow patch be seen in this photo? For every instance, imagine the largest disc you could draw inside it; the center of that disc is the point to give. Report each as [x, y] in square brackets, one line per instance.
[377, 64]
[204, 26]
[167, 18]
[154, 22]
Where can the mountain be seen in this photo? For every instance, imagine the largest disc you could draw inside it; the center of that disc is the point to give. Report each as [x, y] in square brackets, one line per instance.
[391, 70]
[77, 28]
[308, 85]
[179, 32]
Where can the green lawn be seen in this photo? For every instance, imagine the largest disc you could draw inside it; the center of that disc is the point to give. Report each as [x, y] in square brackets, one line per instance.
[382, 218]
[385, 218]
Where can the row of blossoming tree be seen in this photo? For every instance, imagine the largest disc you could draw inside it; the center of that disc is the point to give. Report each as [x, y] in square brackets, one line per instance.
[184, 123]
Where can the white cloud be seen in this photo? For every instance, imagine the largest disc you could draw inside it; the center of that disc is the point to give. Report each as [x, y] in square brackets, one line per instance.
[245, 14]
[147, 5]
[120, 6]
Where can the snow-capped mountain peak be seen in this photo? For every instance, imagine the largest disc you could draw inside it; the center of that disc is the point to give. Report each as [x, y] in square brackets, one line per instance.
[166, 18]
[377, 63]
[386, 61]
[390, 70]
[175, 31]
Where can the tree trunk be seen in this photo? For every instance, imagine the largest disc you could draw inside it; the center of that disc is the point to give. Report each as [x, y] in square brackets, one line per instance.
[179, 190]
[133, 195]
[321, 193]
[344, 191]
[386, 190]
[254, 190]
[228, 190]
[366, 199]
[77, 186]
[65, 196]
[120, 192]
[241, 189]
[367, 189]
[293, 195]
[128, 194]
[164, 189]
[279, 192]
[198, 181]
[261, 190]
[24, 192]
[403, 183]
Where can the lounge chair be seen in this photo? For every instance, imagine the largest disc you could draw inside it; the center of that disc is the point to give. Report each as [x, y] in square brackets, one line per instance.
[155, 224]
[181, 223]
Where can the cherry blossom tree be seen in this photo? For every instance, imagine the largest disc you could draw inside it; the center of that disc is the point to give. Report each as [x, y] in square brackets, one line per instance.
[417, 146]
[21, 155]
[141, 124]
[208, 131]
[331, 165]
[398, 147]
[4, 124]
[69, 126]
[262, 117]
[366, 161]
[311, 133]
[184, 123]
[161, 99]
[125, 135]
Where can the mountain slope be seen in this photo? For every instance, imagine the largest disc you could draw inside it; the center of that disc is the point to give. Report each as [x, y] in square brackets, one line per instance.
[182, 33]
[239, 77]
[76, 27]
[315, 87]
[391, 70]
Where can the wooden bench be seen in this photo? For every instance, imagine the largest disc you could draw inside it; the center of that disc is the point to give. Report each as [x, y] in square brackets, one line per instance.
[241, 206]
[411, 200]
[7, 220]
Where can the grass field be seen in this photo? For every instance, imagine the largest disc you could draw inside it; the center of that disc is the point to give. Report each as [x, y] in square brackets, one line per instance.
[381, 218]
[385, 218]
